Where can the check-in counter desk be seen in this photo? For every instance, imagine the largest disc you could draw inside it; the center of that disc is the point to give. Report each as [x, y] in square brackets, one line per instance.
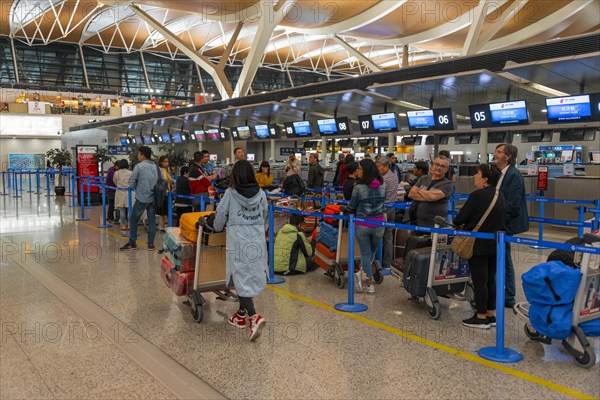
[560, 187]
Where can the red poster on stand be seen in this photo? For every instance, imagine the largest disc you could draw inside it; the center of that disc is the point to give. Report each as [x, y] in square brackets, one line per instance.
[87, 165]
[542, 182]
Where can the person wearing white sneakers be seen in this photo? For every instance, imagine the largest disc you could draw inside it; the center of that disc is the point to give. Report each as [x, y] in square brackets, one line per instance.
[243, 209]
[367, 201]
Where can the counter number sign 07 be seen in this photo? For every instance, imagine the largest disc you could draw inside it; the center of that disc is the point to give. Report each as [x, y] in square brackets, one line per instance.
[365, 123]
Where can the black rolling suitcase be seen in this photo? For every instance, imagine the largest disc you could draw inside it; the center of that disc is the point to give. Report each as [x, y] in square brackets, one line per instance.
[416, 272]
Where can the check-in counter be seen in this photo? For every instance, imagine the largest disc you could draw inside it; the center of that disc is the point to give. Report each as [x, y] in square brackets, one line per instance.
[574, 188]
[560, 187]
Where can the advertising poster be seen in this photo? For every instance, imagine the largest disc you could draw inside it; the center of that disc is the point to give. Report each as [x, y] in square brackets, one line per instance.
[128, 110]
[86, 164]
[36, 107]
[26, 161]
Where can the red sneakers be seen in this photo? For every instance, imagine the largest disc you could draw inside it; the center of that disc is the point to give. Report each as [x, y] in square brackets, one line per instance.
[257, 323]
[237, 320]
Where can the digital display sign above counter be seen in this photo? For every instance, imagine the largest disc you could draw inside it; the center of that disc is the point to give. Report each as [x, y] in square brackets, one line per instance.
[241, 133]
[378, 123]
[581, 108]
[334, 126]
[270, 131]
[298, 129]
[441, 119]
[499, 114]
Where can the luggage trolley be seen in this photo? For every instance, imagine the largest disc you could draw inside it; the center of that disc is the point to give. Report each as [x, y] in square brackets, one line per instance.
[428, 273]
[208, 274]
[336, 270]
[586, 308]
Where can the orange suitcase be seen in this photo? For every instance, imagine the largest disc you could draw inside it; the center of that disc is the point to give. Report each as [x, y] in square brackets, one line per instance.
[187, 224]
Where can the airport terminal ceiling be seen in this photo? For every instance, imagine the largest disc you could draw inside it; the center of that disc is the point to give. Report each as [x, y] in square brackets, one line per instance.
[329, 38]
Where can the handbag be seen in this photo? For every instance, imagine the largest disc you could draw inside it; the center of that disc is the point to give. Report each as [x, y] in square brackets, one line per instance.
[463, 245]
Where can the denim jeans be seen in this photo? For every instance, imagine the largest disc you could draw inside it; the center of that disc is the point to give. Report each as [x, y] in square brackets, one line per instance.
[509, 283]
[138, 210]
[388, 239]
[369, 238]
[123, 215]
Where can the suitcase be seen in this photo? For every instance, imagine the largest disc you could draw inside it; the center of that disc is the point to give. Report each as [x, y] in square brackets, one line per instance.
[325, 258]
[181, 283]
[400, 238]
[187, 224]
[412, 243]
[416, 271]
[180, 251]
[328, 235]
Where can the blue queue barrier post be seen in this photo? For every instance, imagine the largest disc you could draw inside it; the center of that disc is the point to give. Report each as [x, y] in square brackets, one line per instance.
[170, 208]
[47, 183]
[596, 212]
[580, 218]
[30, 186]
[273, 280]
[73, 194]
[16, 185]
[104, 224]
[499, 353]
[351, 306]
[202, 204]
[82, 203]
[37, 182]
[4, 184]
[89, 194]
[9, 178]
[541, 200]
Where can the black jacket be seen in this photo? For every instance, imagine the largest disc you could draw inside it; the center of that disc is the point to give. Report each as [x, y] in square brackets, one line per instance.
[472, 211]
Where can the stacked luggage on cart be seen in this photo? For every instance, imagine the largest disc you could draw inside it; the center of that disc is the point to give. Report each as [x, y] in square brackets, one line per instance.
[428, 268]
[331, 249]
[563, 300]
[194, 262]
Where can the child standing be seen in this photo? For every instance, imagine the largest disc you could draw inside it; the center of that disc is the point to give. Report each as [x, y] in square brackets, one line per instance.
[243, 209]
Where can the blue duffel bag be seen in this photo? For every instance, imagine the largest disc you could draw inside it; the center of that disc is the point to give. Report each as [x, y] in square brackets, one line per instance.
[551, 283]
[553, 321]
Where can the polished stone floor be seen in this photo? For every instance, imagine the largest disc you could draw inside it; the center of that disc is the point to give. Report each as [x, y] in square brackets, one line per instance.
[52, 349]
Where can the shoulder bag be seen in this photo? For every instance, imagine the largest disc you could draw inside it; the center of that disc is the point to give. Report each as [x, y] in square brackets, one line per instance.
[463, 245]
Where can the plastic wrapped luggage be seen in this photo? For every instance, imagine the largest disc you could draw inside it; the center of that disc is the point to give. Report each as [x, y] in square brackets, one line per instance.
[328, 235]
[181, 283]
[323, 256]
[446, 266]
[180, 251]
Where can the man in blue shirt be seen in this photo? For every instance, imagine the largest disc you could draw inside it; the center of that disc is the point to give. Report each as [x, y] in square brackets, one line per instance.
[144, 178]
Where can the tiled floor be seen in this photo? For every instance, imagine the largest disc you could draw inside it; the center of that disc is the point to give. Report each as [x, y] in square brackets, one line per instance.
[308, 350]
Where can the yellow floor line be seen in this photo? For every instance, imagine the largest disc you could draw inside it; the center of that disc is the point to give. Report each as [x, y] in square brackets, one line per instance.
[467, 356]
[106, 230]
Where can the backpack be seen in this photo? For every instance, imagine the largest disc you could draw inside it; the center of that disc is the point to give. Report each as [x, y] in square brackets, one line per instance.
[551, 287]
[293, 185]
[223, 183]
[160, 190]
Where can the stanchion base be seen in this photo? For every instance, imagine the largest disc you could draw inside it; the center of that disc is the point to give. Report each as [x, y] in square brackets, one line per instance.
[347, 307]
[506, 356]
[105, 226]
[82, 219]
[539, 247]
[275, 280]
[89, 208]
[17, 196]
[5, 194]
[30, 191]
[386, 272]
[125, 235]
